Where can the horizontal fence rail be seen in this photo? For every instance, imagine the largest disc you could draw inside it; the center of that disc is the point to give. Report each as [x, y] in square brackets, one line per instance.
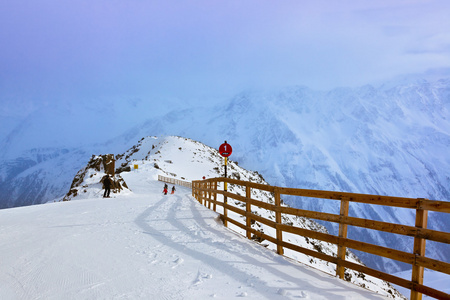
[175, 181]
[206, 191]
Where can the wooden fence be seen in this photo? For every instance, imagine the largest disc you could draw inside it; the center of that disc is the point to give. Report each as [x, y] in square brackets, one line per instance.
[175, 181]
[206, 192]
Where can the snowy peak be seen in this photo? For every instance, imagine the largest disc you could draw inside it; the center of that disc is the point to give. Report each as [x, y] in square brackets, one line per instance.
[181, 158]
[177, 157]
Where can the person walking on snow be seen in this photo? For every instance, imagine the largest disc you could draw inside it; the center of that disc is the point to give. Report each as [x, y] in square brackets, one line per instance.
[107, 184]
[173, 190]
[165, 190]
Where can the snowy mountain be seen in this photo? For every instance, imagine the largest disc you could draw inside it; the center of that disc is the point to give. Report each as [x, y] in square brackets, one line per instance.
[39, 175]
[187, 160]
[388, 140]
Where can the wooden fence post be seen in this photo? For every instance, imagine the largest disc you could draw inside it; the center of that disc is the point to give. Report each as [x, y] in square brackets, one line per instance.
[199, 192]
[340, 270]
[204, 193]
[248, 209]
[419, 249]
[208, 185]
[215, 195]
[278, 220]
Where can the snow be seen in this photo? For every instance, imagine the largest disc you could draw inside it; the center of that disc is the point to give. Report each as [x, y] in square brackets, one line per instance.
[143, 244]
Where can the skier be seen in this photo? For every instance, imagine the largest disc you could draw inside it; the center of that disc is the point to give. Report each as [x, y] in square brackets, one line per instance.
[173, 190]
[165, 190]
[107, 184]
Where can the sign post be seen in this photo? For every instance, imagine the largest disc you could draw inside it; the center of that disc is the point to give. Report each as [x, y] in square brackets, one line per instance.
[225, 150]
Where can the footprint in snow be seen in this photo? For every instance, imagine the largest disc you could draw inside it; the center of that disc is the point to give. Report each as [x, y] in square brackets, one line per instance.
[177, 262]
[201, 277]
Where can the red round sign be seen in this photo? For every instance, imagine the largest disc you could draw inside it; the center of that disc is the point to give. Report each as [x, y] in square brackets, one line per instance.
[225, 149]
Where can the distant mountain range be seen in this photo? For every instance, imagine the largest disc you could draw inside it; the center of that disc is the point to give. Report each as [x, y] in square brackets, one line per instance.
[388, 140]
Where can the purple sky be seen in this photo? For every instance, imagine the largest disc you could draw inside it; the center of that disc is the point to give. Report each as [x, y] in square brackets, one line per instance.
[63, 49]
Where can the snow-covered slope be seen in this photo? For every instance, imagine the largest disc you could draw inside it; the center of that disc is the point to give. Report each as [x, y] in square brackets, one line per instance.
[185, 159]
[144, 245]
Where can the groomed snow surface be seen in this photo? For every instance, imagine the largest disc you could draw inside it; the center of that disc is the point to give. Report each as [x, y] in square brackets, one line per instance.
[143, 244]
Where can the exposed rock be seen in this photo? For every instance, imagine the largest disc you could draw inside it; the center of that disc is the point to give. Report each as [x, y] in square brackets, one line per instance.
[98, 167]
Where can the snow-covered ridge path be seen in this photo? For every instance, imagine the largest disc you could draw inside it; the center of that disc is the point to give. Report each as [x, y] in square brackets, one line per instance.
[145, 245]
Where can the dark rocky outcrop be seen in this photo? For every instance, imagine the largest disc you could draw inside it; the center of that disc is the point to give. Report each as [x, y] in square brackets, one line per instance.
[97, 169]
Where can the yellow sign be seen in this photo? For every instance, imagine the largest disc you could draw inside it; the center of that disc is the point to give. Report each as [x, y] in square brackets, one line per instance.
[136, 167]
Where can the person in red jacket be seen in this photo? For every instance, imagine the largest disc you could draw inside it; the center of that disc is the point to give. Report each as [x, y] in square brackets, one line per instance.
[165, 191]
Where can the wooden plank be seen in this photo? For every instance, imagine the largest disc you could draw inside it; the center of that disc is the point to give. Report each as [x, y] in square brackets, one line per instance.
[433, 235]
[426, 290]
[433, 205]
[309, 214]
[432, 264]
[262, 204]
[235, 209]
[254, 231]
[353, 197]
[311, 234]
[264, 236]
[379, 250]
[255, 185]
[263, 220]
[378, 274]
[309, 252]
[233, 221]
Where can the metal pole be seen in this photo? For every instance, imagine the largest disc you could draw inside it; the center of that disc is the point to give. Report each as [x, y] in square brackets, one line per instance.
[225, 212]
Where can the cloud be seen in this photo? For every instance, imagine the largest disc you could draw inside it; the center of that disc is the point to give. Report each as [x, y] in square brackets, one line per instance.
[86, 49]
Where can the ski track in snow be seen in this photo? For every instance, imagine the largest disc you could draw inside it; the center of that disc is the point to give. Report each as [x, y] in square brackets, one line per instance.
[146, 245]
